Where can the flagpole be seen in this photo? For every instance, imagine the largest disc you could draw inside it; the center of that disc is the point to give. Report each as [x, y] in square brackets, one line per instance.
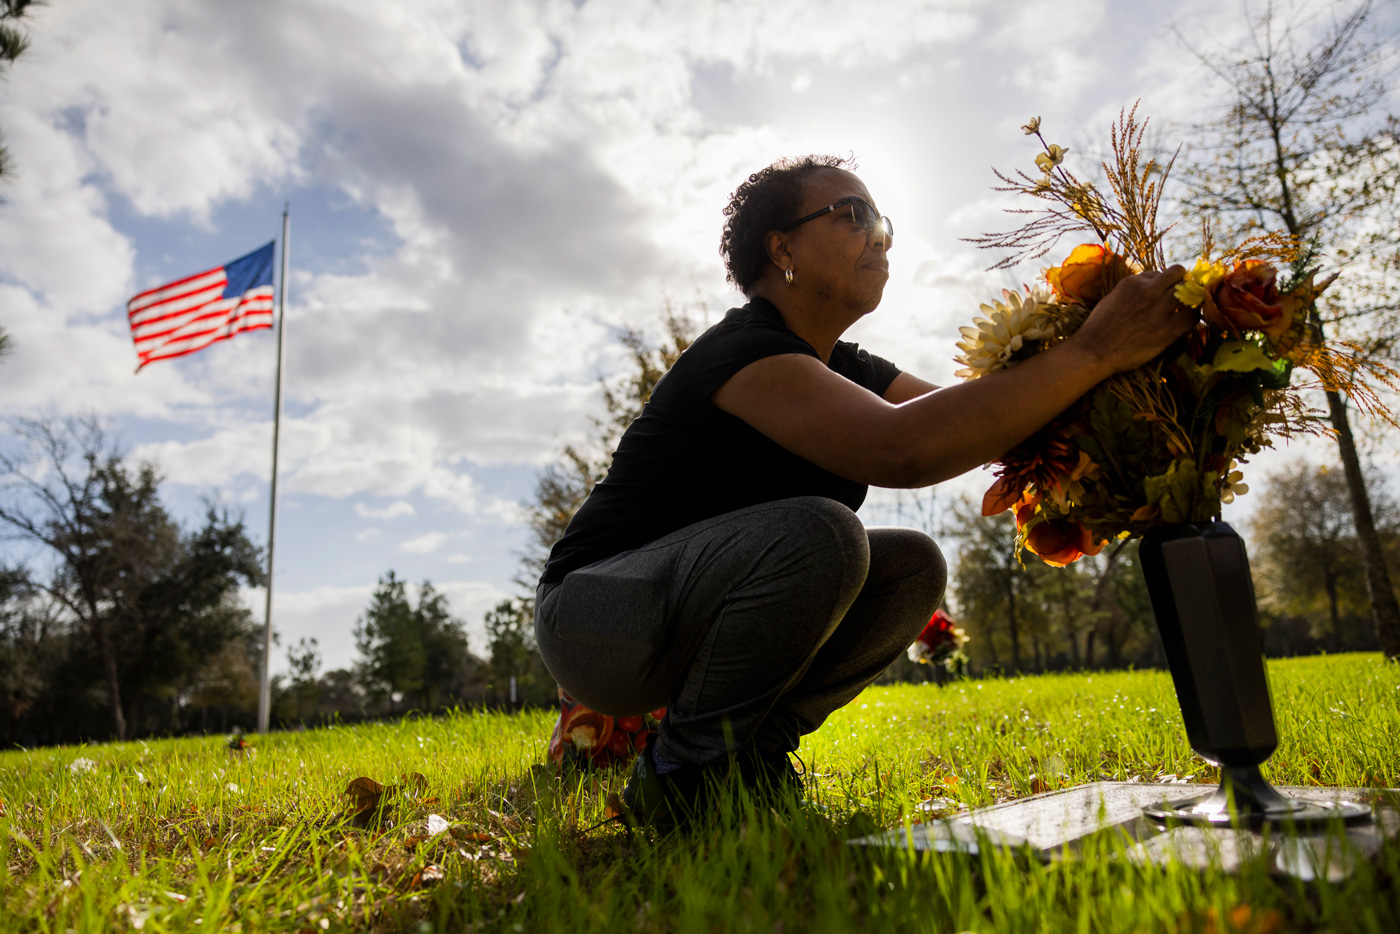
[265, 687]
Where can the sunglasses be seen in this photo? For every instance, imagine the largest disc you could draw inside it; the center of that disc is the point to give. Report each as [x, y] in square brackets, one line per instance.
[861, 212]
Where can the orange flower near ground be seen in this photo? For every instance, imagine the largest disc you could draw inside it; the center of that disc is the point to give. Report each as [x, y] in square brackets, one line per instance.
[589, 739]
[1247, 299]
[587, 729]
[1087, 275]
[1059, 542]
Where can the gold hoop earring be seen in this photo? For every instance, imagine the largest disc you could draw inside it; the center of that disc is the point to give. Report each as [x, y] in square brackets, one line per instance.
[787, 274]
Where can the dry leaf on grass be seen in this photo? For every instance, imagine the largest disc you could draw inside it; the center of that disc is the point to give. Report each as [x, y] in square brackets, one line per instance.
[370, 800]
[365, 794]
[1245, 919]
[429, 875]
[468, 836]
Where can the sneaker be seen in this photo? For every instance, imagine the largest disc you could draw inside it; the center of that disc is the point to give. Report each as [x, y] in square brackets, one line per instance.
[770, 775]
[666, 802]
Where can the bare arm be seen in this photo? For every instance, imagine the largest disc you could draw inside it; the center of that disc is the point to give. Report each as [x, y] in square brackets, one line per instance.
[797, 402]
[906, 386]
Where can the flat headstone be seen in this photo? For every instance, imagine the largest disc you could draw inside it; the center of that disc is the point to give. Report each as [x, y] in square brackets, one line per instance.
[1057, 824]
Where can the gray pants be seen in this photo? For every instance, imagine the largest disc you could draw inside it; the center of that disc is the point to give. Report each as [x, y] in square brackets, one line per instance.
[751, 627]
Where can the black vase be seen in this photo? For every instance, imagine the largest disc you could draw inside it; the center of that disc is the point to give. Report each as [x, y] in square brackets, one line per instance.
[1203, 599]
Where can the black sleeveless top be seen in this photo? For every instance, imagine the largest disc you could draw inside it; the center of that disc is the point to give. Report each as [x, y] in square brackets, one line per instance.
[683, 460]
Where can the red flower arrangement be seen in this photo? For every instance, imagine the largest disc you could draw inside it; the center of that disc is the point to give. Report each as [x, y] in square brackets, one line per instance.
[941, 643]
[585, 738]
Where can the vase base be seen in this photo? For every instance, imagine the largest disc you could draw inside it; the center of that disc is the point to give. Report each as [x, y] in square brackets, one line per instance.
[1245, 797]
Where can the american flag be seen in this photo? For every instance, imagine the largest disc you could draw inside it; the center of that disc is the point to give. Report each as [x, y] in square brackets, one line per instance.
[190, 314]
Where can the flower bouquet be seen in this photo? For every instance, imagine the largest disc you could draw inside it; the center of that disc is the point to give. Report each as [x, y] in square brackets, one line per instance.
[586, 739]
[941, 645]
[1162, 444]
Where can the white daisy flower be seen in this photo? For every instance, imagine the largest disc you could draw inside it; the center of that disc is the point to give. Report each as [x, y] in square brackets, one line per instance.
[991, 342]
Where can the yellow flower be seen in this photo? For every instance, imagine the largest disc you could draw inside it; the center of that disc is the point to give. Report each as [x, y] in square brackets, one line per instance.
[1232, 484]
[1195, 288]
[991, 342]
[1052, 157]
[1033, 127]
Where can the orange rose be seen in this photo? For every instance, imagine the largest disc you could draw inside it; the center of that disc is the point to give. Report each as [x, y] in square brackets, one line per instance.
[1087, 275]
[1059, 542]
[1247, 299]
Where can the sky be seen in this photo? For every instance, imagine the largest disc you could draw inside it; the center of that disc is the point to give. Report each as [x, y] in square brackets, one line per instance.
[482, 194]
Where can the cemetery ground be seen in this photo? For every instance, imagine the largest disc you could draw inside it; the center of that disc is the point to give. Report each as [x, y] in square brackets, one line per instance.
[190, 834]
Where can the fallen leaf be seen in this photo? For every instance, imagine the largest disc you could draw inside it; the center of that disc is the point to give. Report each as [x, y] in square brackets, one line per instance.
[462, 833]
[414, 840]
[1039, 785]
[365, 793]
[1245, 919]
[614, 806]
[437, 824]
[428, 875]
[416, 782]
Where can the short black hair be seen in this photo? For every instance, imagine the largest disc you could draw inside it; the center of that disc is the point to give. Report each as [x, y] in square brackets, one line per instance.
[769, 199]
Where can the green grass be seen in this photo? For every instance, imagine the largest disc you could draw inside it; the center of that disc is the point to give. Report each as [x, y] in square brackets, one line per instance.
[182, 835]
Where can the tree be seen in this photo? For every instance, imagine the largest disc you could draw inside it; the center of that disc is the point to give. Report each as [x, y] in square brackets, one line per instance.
[1305, 547]
[1303, 148]
[153, 603]
[510, 640]
[13, 43]
[990, 584]
[23, 641]
[410, 652]
[564, 485]
[304, 662]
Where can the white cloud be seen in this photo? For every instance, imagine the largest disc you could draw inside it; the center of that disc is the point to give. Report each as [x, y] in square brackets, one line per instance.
[507, 184]
[391, 511]
[424, 544]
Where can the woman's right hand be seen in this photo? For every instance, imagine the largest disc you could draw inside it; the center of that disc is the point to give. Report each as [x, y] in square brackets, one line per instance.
[1136, 320]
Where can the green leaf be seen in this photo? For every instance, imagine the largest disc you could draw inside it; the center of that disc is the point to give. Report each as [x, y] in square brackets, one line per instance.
[1176, 492]
[1201, 376]
[1242, 357]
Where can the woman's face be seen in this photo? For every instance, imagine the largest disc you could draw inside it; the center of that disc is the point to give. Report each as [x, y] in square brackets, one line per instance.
[832, 255]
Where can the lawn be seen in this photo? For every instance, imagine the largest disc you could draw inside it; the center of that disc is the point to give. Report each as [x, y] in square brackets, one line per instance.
[185, 834]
